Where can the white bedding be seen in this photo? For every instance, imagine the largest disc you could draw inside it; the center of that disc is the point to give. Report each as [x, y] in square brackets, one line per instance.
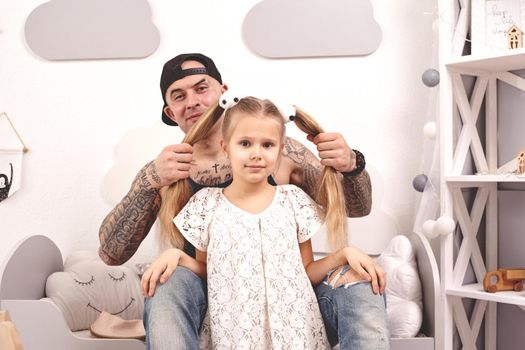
[403, 292]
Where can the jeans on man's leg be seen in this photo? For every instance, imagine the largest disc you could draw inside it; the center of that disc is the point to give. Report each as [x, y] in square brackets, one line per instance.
[354, 317]
[173, 316]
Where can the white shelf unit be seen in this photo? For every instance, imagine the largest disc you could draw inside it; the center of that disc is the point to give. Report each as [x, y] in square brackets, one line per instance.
[511, 60]
[464, 180]
[475, 291]
[460, 109]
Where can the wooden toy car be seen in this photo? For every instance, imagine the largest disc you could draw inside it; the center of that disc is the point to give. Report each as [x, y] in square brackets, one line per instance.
[504, 279]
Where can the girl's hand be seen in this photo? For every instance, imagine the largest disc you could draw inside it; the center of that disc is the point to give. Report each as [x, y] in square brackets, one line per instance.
[160, 270]
[364, 268]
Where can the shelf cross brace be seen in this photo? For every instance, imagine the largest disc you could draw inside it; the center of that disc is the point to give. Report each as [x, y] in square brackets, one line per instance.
[468, 331]
[469, 112]
[469, 224]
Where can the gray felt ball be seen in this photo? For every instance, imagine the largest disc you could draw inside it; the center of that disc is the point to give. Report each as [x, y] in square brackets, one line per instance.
[420, 182]
[430, 77]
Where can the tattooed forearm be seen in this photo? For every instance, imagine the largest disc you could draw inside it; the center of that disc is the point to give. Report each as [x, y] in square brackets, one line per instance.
[357, 189]
[129, 222]
[358, 194]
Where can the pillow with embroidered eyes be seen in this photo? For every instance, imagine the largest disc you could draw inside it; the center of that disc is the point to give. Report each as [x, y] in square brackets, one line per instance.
[88, 286]
[403, 288]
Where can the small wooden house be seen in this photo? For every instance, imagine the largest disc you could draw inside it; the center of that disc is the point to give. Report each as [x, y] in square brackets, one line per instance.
[521, 163]
[514, 37]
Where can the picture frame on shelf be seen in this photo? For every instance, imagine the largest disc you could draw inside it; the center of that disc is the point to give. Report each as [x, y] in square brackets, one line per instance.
[491, 19]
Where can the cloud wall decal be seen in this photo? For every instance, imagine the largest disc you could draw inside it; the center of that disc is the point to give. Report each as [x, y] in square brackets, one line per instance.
[311, 28]
[92, 29]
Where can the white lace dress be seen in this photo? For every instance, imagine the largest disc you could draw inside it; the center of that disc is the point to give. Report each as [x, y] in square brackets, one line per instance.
[259, 296]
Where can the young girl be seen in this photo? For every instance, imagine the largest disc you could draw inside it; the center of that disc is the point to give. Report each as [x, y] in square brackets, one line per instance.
[255, 237]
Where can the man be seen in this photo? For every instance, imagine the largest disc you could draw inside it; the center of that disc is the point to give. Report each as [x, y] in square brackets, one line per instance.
[190, 83]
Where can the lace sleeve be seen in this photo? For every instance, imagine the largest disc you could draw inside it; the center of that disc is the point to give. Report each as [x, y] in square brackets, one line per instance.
[308, 214]
[194, 219]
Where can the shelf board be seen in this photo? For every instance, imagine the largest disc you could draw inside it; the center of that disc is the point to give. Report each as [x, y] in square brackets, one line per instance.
[481, 179]
[501, 62]
[475, 291]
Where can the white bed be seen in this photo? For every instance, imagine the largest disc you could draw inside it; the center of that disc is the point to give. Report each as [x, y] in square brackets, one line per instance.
[41, 324]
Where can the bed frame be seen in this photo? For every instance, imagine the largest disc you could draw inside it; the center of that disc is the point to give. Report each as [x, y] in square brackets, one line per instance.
[41, 325]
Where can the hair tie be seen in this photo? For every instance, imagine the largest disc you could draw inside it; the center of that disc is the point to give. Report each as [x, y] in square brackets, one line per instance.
[229, 99]
[287, 111]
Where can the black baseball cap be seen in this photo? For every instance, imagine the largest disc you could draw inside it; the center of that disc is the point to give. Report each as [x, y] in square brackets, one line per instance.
[172, 72]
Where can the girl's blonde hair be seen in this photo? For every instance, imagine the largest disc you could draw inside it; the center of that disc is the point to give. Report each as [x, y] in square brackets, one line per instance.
[329, 193]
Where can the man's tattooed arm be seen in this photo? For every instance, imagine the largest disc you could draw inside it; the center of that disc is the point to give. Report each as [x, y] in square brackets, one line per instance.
[306, 167]
[126, 226]
[357, 189]
[358, 194]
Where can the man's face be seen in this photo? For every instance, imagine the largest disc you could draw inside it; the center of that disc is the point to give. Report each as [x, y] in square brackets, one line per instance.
[188, 98]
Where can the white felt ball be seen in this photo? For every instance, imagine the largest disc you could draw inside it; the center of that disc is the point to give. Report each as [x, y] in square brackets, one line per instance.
[428, 229]
[429, 130]
[444, 225]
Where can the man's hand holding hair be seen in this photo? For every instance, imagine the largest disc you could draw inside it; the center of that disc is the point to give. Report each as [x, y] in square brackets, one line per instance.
[334, 151]
[172, 164]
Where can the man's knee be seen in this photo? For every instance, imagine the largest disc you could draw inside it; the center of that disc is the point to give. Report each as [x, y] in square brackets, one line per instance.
[361, 295]
[183, 289]
[363, 314]
[175, 312]
[184, 279]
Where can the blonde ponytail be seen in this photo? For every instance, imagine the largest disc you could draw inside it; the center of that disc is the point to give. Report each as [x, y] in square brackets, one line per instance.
[175, 196]
[329, 193]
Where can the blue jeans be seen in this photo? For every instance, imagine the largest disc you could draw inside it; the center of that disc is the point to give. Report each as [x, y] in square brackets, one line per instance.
[173, 316]
[354, 317]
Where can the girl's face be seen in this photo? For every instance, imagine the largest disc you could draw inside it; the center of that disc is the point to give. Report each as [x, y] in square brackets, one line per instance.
[254, 148]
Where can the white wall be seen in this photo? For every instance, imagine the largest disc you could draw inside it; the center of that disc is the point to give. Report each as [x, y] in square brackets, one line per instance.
[72, 115]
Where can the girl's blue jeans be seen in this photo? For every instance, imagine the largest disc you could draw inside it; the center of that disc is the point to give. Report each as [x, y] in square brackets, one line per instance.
[354, 317]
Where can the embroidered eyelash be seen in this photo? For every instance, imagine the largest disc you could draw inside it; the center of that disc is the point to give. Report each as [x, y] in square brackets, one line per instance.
[118, 279]
[90, 282]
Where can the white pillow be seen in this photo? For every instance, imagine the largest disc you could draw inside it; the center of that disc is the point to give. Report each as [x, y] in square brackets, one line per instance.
[88, 286]
[403, 288]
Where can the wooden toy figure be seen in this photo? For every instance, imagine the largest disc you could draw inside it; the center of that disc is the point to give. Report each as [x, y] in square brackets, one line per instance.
[514, 37]
[521, 163]
[505, 279]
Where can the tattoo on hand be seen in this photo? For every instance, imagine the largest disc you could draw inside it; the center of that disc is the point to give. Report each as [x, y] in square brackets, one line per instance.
[153, 172]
